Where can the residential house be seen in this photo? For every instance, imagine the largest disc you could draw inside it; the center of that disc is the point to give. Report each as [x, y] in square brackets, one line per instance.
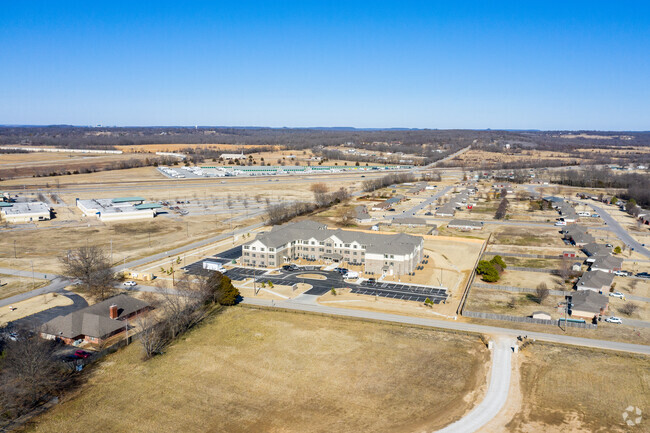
[410, 222]
[97, 322]
[387, 204]
[593, 250]
[361, 215]
[465, 224]
[596, 281]
[587, 305]
[446, 210]
[607, 264]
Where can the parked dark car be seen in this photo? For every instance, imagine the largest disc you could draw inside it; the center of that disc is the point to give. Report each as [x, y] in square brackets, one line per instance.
[372, 280]
[291, 267]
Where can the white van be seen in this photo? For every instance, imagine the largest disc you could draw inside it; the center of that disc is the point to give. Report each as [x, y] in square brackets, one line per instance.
[351, 275]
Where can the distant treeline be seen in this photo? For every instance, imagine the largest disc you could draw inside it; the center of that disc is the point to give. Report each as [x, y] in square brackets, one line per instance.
[383, 140]
[636, 184]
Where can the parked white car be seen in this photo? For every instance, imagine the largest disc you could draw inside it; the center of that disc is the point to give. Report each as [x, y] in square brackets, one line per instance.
[613, 319]
[560, 223]
[130, 283]
[617, 295]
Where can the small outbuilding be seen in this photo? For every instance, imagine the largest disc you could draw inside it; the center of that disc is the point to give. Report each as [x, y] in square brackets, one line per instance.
[543, 315]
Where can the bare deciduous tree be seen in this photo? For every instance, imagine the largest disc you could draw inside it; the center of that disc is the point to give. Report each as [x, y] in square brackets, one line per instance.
[541, 292]
[92, 267]
[29, 375]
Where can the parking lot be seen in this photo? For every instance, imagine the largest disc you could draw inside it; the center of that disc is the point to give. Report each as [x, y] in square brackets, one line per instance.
[333, 280]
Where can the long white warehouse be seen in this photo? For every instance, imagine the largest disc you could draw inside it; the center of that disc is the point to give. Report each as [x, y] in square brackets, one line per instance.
[118, 209]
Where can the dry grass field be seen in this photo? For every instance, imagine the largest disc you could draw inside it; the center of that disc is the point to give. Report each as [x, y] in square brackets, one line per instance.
[524, 236]
[25, 165]
[11, 285]
[261, 371]
[130, 240]
[570, 389]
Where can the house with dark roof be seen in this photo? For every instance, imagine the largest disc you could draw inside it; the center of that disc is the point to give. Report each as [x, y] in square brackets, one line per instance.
[394, 254]
[97, 322]
[607, 264]
[587, 305]
[410, 222]
[596, 281]
[446, 210]
[553, 201]
[578, 235]
[594, 250]
[388, 203]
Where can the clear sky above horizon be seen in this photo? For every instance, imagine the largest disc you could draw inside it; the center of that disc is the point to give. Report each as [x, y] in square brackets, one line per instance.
[420, 64]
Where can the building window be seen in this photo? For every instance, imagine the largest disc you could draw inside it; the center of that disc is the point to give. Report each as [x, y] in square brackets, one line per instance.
[347, 245]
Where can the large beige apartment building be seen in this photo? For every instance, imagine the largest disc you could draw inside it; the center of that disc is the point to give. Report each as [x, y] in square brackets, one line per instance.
[395, 254]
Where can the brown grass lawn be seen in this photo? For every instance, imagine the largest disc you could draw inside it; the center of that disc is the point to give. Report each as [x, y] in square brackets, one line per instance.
[570, 389]
[509, 235]
[11, 285]
[262, 371]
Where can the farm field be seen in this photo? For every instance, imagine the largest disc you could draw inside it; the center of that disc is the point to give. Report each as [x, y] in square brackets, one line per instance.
[251, 370]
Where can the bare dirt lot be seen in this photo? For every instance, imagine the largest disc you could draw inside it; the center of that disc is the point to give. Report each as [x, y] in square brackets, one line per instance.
[570, 389]
[250, 370]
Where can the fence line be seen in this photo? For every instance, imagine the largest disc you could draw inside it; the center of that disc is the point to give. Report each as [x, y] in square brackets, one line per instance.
[522, 255]
[520, 319]
[518, 289]
[540, 270]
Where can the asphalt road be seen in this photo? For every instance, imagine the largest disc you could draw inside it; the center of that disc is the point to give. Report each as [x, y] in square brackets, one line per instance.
[612, 224]
[617, 229]
[497, 392]
[454, 325]
[57, 285]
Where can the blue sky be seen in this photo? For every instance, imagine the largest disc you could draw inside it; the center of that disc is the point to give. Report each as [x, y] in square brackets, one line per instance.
[451, 64]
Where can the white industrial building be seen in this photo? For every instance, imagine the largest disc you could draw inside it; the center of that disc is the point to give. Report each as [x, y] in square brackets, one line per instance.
[25, 212]
[118, 209]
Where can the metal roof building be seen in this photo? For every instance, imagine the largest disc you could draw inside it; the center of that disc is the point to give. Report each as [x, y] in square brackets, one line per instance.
[118, 209]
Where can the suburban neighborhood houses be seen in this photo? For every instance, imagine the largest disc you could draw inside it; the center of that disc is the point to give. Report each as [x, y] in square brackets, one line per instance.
[325, 217]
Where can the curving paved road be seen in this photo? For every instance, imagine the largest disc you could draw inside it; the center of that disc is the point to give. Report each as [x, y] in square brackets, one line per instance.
[454, 325]
[496, 395]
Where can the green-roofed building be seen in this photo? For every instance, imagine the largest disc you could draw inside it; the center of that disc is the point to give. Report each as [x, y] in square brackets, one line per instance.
[127, 199]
